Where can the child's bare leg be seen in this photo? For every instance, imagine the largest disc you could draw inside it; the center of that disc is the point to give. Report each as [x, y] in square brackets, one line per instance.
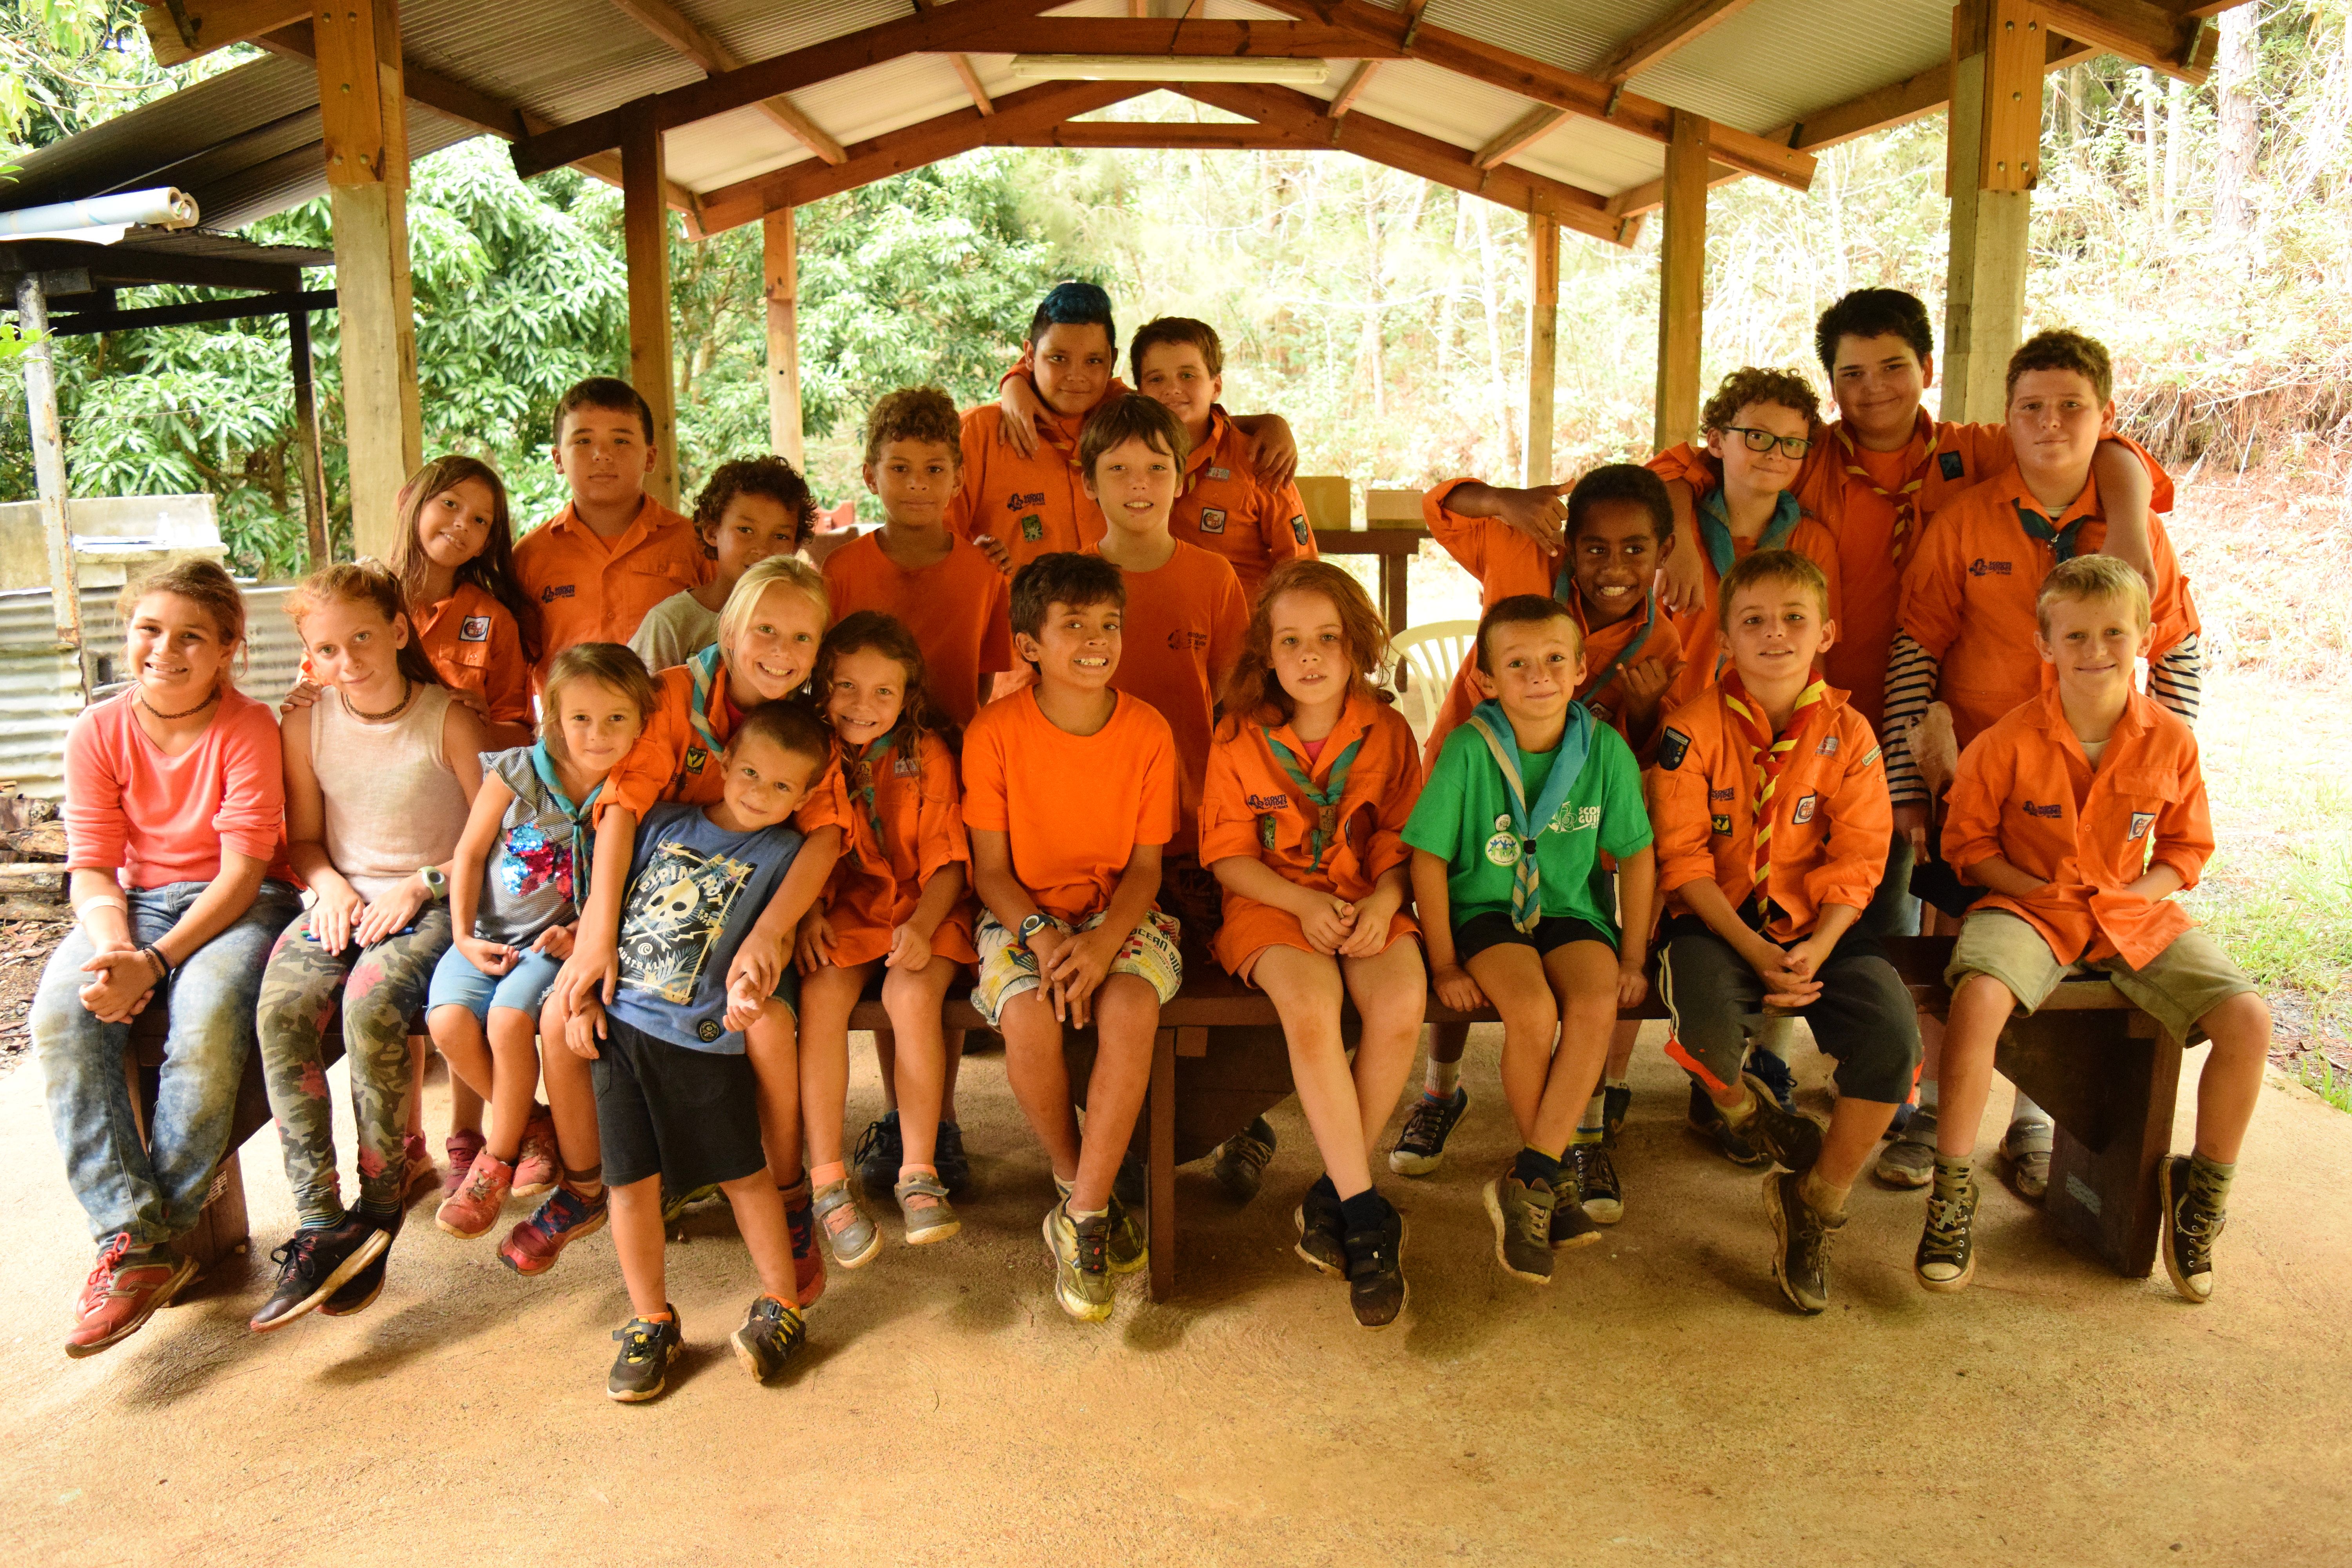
[1391, 991]
[419, 1052]
[772, 1046]
[464, 1106]
[1621, 1048]
[1040, 1079]
[828, 997]
[1583, 980]
[913, 998]
[953, 1071]
[884, 1057]
[1854, 1129]
[1513, 978]
[570, 1101]
[759, 1216]
[637, 1227]
[1127, 1018]
[2231, 1084]
[1980, 1006]
[458, 1036]
[514, 1079]
[1305, 991]
[1448, 1042]
[885, 1062]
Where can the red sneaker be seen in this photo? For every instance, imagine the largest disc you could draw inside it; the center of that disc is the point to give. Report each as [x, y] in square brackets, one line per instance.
[462, 1146]
[532, 1247]
[473, 1208]
[536, 1165]
[808, 1262]
[421, 1174]
[123, 1292]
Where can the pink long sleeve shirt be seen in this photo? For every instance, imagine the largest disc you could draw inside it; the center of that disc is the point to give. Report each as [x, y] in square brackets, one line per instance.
[154, 819]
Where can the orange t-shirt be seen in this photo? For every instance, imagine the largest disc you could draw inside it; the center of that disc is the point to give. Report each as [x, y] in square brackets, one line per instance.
[1179, 638]
[1225, 508]
[2026, 793]
[1967, 597]
[1074, 807]
[673, 760]
[594, 589]
[1832, 819]
[475, 646]
[1251, 806]
[959, 609]
[877, 882]
[1034, 504]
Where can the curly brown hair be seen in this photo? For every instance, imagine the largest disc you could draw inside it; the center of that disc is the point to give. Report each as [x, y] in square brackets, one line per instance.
[1254, 694]
[764, 476]
[914, 413]
[1757, 383]
[880, 632]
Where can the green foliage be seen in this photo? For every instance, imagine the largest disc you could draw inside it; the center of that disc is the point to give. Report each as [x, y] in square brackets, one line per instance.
[2318, 1074]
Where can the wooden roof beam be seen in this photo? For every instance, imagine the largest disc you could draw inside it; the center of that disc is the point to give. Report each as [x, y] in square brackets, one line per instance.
[1353, 88]
[2158, 36]
[673, 28]
[1664, 36]
[964, 72]
[195, 28]
[1530, 128]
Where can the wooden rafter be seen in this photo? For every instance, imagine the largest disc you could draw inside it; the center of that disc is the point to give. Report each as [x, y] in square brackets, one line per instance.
[1529, 129]
[2158, 36]
[1345, 98]
[964, 72]
[1665, 35]
[193, 28]
[673, 28]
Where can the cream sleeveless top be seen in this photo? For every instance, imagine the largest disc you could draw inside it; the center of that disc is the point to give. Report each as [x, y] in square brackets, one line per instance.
[392, 804]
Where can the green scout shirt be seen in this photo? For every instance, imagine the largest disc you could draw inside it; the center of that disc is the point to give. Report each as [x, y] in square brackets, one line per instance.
[1465, 802]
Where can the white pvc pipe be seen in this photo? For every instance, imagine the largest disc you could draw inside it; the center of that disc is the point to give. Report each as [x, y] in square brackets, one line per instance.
[163, 206]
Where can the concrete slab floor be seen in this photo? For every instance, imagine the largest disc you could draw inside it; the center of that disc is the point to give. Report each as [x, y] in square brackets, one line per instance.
[1657, 1404]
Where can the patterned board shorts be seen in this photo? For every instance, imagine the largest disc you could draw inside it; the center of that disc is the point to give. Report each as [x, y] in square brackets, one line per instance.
[1007, 968]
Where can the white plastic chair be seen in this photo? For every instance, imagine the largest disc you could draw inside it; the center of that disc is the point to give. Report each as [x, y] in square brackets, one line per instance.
[1427, 657]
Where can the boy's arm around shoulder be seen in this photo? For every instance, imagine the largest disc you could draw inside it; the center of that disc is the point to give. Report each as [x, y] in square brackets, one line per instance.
[1473, 519]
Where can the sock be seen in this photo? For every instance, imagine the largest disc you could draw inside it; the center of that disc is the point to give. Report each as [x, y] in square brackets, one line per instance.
[2025, 1109]
[1325, 1188]
[1608, 1083]
[1534, 1166]
[1078, 1214]
[1589, 1130]
[1363, 1212]
[1952, 1172]
[341, 1215]
[1062, 1188]
[587, 1186]
[1823, 1199]
[1442, 1079]
[908, 1173]
[825, 1175]
[664, 1316]
[1736, 1115]
[382, 1212]
[2209, 1181]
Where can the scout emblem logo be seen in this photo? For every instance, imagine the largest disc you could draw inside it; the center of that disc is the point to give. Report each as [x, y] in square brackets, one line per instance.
[473, 628]
[906, 767]
[695, 757]
[1298, 528]
[1672, 748]
[2141, 821]
[1266, 832]
[707, 1030]
[1221, 474]
[1212, 520]
[1952, 464]
[1033, 527]
[1723, 826]
[555, 591]
[1804, 812]
[1980, 567]
[1502, 849]
[1828, 747]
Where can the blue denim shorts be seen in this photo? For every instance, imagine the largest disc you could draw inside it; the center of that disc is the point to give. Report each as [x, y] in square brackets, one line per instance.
[458, 984]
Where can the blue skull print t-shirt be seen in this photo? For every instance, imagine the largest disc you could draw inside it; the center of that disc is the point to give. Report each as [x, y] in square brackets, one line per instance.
[694, 891]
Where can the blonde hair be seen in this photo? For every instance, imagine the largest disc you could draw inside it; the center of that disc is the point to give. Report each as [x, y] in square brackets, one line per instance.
[608, 664]
[2090, 578]
[1785, 567]
[198, 579]
[743, 601]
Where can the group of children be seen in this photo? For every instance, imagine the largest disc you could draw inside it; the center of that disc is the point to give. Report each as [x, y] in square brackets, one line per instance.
[1088, 704]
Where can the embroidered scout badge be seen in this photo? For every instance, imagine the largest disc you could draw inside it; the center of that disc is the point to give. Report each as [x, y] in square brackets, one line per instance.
[1213, 520]
[1033, 527]
[473, 628]
[1952, 463]
[695, 757]
[1804, 812]
[2141, 821]
[1672, 746]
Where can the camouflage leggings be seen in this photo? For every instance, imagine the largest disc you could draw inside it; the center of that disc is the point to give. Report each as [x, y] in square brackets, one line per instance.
[379, 988]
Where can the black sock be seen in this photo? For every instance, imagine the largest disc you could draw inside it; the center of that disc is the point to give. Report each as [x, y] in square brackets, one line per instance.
[1534, 1166]
[1324, 1189]
[1364, 1212]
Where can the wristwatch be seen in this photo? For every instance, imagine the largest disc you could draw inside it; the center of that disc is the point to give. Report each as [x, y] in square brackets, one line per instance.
[436, 886]
[1031, 926]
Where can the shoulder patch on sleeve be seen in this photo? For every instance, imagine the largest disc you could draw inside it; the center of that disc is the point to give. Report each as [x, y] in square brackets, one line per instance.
[1672, 746]
[1953, 464]
[1872, 756]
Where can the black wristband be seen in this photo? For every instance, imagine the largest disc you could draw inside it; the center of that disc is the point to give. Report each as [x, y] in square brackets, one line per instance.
[163, 970]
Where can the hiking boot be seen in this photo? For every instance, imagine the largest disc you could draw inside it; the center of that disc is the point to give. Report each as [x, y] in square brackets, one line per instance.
[1128, 1250]
[1522, 1217]
[1768, 1069]
[879, 1153]
[461, 1147]
[126, 1286]
[1800, 1253]
[1376, 1287]
[948, 1158]
[537, 1165]
[1596, 1179]
[923, 1206]
[2191, 1225]
[1422, 1144]
[1616, 1102]
[473, 1208]
[532, 1247]
[1791, 1137]
[419, 1174]
[1081, 1262]
[1241, 1161]
[1707, 1120]
[847, 1231]
[1946, 1258]
[1322, 1233]
[359, 1292]
[1132, 1185]
[2026, 1146]
[642, 1369]
[1910, 1160]
[314, 1265]
[1570, 1224]
[772, 1334]
[808, 1261]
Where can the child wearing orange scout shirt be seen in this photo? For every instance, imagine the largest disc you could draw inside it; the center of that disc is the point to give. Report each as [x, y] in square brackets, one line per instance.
[455, 563]
[613, 552]
[895, 906]
[1020, 501]
[943, 589]
[1302, 823]
[2082, 812]
[1771, 808]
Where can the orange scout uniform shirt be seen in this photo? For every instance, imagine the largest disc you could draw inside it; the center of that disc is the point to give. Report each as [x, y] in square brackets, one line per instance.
[1034, 504]
[594, 589]
[876, 882]
[1074, 806]
[671, 761]
[2026, 793]
[1179, 639]
[1252, 806]
[1226, 508]
[1967, 597]
[1506, 563]
[475, 646]
[959, 610]
[1831, 820]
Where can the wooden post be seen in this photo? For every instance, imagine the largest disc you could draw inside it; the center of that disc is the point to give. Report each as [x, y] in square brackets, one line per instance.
[781, 259]
[645, 232]
[1682, 279]
[49, 465]
[1995, 143]
[315, 521]
[1543, 340]
[365, 127]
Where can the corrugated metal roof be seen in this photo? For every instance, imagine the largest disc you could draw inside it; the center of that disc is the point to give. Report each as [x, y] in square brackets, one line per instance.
[1780, 60]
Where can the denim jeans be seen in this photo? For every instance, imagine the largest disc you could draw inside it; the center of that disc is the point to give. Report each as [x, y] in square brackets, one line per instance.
[153, 1192]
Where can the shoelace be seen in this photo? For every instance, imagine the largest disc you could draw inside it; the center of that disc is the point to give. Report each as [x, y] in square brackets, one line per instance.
[637, 1343]
[1094, 1246]
[1947, 1222]
[1427, 1120]
[2199, 1225]
[1534, 1228]
[876, 1140]
[1250, 1151]
[295, 1255]
[110, 1259]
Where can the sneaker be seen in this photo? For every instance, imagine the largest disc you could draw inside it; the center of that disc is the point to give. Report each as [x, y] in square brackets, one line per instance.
[1800, 1253]
[537, 1165]
[1522, 1217]
[1081, 1263]
[676, 1201]
[473, 1208]
[2026, 1146]
[532, 1247]
[1768, 1069]
[125, 1287]
[1570, 1226]
[1596, 1179]
[1791, 1137]
[1132, 1185]
[1422, 1144]
[1910, 1160]
[1322, 1237]
[1707, 1120]
[642, 1369]
[948, 1157]
[461, 1147]
[1241, 1161]
[847, 1231]
[2191, 1225]
[1614, 1103]
[923, 1206]
[314, 1265]
[808, 1259]
[772, 1334]
[1129, 1249]
[879, 1153]
[421, 1175]
[1946, 1258]
[1376, 1287]
[359, 1292]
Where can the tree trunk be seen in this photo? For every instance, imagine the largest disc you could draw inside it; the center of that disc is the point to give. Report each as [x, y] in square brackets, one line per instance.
[2175, 129]
[2241, 139]
[2150, 160]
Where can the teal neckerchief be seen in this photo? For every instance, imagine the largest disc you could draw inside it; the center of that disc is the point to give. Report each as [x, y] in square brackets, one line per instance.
[2062, 541]
[702, 668]
[1715, 528]
[862, 777]
[1325, 800]
[583, 834]
[1575, 745]
[1564, 589]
